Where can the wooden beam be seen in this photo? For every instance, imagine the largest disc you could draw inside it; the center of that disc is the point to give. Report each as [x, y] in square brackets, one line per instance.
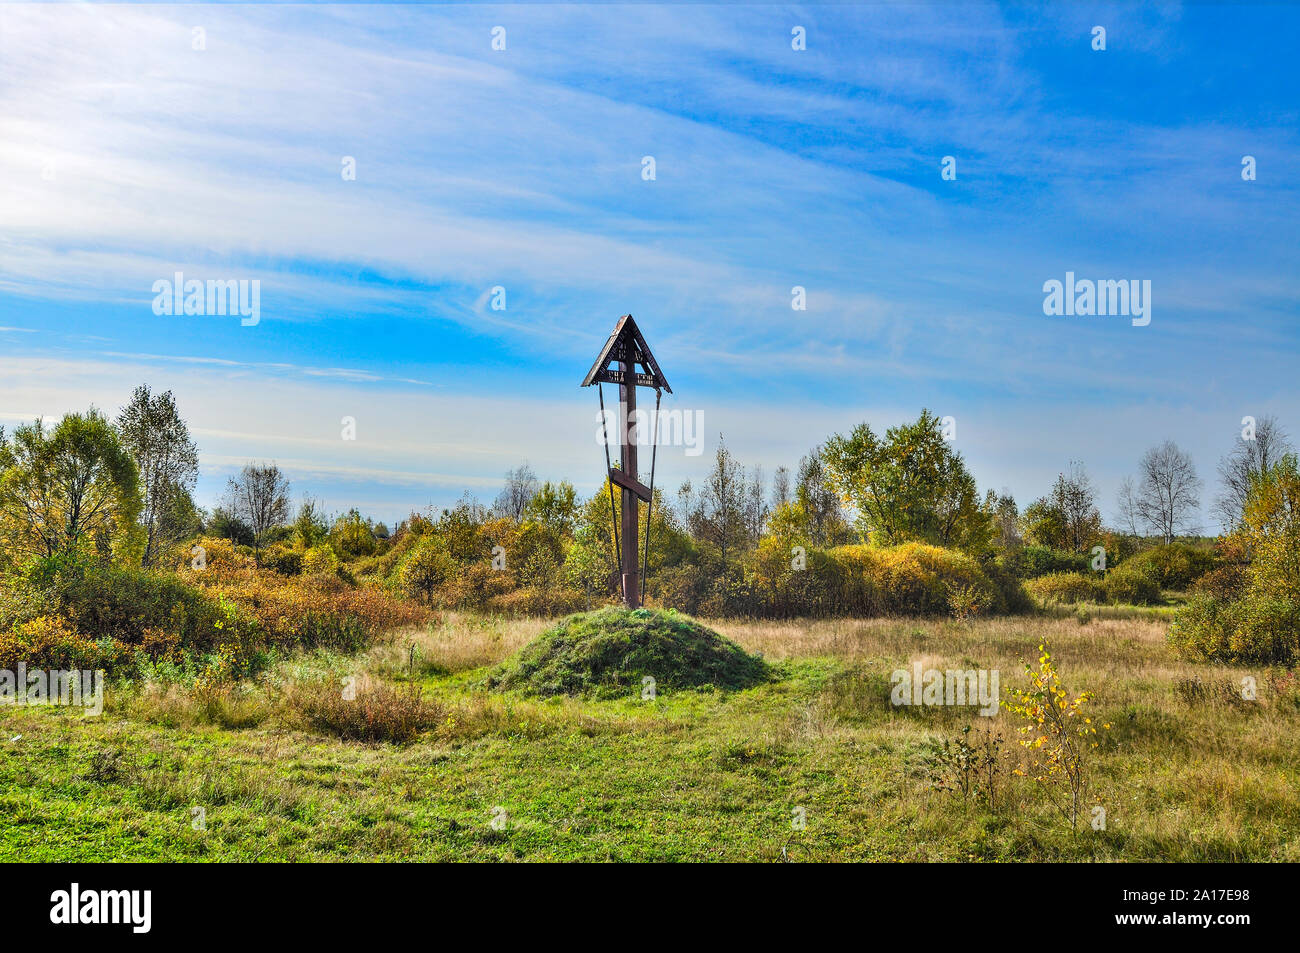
[606, 352]
[628, 483]
[616, 377]
[631, 552]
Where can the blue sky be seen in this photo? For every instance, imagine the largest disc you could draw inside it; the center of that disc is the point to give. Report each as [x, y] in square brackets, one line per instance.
[128, 155]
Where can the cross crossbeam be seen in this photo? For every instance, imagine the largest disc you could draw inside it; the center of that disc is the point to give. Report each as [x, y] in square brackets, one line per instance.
[627, 483]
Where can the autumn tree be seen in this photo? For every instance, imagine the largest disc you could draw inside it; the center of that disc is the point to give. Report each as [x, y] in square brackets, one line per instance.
[62, 486]
[592, 562]
[225, 525]
[427, 567]
[817, 501]
[259, 497]
[1043, 524]
[754, 504]
[1005, 516]
[1270, 527]
[460, 526]
[780, 486]
[715, 514]
[555, 506]
[310, 525]
[1126, 501]
[1256, 450]
[158, 440]
[353, 535]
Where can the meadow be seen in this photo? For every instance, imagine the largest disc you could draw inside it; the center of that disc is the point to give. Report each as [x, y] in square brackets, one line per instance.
[313, 686]
[815, 764]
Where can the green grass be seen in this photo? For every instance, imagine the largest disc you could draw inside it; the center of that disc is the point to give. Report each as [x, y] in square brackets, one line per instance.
[605, 653]
[696, 774]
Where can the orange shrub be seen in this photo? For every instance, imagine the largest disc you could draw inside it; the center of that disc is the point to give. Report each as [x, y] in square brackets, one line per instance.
[50, 642]
[321, 611]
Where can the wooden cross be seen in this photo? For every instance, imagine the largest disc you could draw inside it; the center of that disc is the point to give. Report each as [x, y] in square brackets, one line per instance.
[627, 349]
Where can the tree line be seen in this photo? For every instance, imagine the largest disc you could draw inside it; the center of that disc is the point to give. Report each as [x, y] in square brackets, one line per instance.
[124, 487]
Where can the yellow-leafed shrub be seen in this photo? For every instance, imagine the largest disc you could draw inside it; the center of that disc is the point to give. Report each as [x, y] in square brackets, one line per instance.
[918, 579]
[49, 642]
[1255, 618]
[320, 561]
[911, 579]
[1067, 587]
[1174, 566]
[210, 558]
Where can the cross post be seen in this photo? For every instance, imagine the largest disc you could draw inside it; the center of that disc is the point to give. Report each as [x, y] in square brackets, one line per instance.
[627, 460]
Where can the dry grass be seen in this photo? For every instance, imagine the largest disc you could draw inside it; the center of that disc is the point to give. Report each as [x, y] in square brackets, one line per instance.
[224, 705]
[858, 639]
[364, 711]
[462, 642]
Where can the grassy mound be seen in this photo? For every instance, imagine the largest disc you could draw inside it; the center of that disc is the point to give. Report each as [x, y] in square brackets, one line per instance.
[607, 653]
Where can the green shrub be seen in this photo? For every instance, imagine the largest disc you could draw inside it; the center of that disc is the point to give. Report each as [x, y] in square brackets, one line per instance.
[1269, 630]
[1133, 583]
[1257, 618]
[816, 591]
[781, 589]
[22, 600]
[1015, 598]
[730, 596]
[126, 604]
[287, 562]
[1175, 566]
[677, 587]
[1067, 587]
[1030, 562]
[1118, 546]
[1243, 630]
[427, 567]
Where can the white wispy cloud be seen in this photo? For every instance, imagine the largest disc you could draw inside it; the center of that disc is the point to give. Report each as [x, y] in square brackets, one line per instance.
[130, 155]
